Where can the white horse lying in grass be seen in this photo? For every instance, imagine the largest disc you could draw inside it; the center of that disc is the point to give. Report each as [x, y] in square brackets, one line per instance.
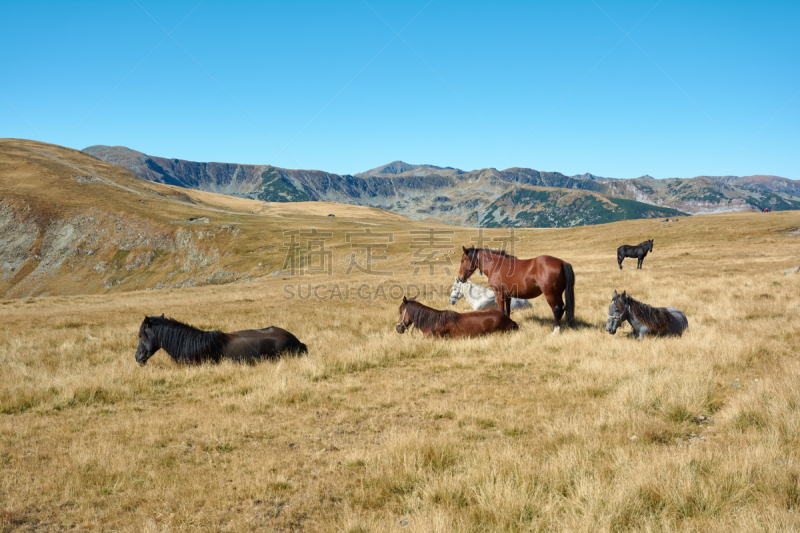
[481, 298]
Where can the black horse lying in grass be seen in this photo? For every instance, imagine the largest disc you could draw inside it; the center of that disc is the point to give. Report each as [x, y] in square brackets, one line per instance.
[643, 318]
[189, 345]
[639, 251]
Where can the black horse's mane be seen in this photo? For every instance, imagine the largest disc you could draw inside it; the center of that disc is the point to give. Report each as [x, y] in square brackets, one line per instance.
[502, 253]
[186, 343]
[653, 317]
[648, 244]
[424, 317]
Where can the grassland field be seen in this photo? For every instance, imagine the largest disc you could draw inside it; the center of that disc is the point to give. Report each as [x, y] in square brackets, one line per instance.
[374, 431]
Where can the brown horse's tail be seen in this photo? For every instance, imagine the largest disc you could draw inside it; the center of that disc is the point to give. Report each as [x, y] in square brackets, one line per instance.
[569, 292]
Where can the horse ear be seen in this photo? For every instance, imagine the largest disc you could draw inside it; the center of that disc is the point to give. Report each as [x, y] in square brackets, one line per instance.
[405, 300]
[464, 248]
[162, 315]
[615, 294]
[146, 320]
[624, 295]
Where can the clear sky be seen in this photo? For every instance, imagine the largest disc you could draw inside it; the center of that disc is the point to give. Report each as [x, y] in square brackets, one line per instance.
[695, 88]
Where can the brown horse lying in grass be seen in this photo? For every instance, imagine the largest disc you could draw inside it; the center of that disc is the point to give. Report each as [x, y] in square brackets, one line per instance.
[189, 345]
[449, 323]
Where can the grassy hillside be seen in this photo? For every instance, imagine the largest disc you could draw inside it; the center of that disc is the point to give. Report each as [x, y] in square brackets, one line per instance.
[373, 431]
[72, 224]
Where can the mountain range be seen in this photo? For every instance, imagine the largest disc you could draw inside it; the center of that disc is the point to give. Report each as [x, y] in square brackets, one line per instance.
[514, 197]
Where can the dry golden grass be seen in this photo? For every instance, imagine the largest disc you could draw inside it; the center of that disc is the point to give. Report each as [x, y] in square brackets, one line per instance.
[374, 431]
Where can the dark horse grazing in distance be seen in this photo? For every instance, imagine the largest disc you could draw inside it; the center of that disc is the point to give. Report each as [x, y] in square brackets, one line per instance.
[639, 251]
[643, 318]
[449, 323]
[510, 277]
[189, 345]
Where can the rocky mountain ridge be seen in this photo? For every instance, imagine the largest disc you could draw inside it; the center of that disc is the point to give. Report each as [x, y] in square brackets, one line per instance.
[514, 197]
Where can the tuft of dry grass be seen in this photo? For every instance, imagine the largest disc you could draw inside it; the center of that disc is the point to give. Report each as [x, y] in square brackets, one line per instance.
[373, 431]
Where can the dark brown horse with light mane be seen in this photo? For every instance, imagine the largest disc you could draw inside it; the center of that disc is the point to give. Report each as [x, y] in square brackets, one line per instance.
[510, 277]
[433, 322]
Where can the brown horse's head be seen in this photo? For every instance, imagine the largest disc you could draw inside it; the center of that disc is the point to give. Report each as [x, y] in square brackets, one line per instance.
[469, 262]
[404, 321]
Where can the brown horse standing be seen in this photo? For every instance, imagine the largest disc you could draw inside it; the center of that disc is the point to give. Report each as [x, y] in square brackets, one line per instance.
[449, 323]
[510, 277]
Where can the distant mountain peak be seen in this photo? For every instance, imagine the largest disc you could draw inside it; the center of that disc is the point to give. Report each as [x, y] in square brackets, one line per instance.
[590, 176]
[102, 149]
[397, 167]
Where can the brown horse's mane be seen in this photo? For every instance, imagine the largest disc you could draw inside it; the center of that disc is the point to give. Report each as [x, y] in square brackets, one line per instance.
[653, 317]
[424, 317]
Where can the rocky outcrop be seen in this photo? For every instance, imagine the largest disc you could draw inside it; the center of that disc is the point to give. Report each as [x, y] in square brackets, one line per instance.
[43, 252]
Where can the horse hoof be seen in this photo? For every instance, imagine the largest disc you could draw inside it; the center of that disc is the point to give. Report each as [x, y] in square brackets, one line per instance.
[556, 329]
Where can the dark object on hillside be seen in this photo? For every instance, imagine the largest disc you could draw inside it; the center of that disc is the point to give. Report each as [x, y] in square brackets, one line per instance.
[331, 215]
[643, 318]
[510, 277]
[432, 322]
[639, 251]
[189, 345]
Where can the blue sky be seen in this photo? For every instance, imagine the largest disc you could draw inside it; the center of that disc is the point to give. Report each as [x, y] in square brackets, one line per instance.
[704, 88]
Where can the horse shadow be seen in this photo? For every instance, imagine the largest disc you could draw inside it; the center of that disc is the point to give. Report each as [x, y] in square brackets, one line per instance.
[547, 321]
[582, 324]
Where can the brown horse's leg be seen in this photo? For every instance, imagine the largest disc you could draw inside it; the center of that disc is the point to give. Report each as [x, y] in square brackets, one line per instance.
[503, 302]
[557, 305]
